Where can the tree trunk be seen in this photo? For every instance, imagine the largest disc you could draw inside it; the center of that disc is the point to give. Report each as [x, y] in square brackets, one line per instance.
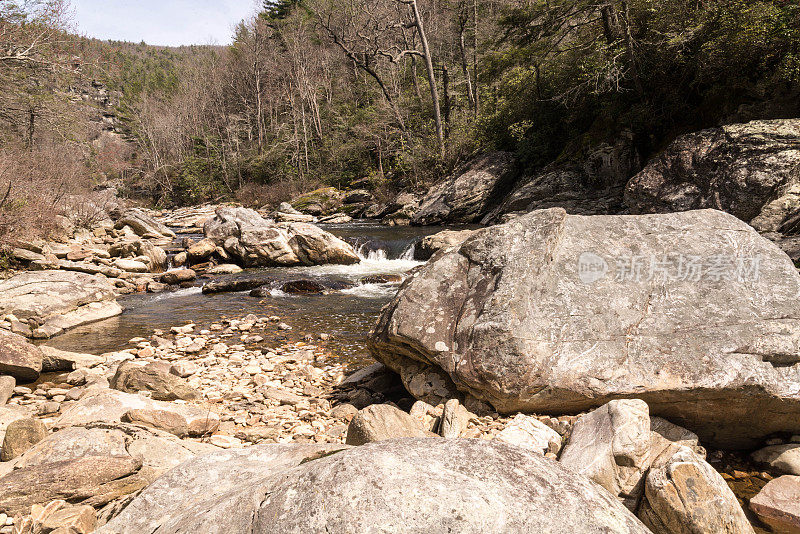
[437, 114]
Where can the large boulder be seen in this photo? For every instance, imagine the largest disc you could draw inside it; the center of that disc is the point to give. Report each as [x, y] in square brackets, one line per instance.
[18, 358]
[45, 303]
[412, 485]
[20, 436]
[143, 224]
[693, 312]
[465, 196]
[195, 480]
[431, 244]
[244, 234]
[750, 170]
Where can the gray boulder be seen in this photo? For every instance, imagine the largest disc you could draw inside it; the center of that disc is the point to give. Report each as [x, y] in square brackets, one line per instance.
[411, 485]
[46, 303]
[466, 195]
[19, 358]
[244, 234]
[429, 245]
[692, 312]
[750, 170]
[201, 477]
[383, 421]
[133, 377]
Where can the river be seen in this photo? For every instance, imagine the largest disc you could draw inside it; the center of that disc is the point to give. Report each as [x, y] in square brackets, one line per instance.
[346, 316]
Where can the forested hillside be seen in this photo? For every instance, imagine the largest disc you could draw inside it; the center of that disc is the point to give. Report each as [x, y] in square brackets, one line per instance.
[328, 92]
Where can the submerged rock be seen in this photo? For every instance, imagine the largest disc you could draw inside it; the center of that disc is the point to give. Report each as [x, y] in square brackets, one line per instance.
[693, 312]
[411, 485]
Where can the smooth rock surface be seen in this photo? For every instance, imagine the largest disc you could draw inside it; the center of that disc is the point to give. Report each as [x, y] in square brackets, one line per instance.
[783, 458]
[20, 436]
[530, 433]
[199, 478]
[411, 485]
[551, 313]
[132, 377]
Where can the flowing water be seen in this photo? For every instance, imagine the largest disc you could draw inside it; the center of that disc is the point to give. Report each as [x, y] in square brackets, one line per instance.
[347, 315]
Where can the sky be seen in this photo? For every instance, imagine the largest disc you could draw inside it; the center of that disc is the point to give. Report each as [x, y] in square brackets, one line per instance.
[161, 22]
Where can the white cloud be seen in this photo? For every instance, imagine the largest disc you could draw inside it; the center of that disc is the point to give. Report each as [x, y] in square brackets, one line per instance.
[165, 22]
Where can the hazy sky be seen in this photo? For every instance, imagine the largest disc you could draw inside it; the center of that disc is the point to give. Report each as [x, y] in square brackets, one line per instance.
[161, 22]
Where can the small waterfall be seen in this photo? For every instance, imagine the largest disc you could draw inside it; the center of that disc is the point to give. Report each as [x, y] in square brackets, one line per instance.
[368, 253]
[408, 253]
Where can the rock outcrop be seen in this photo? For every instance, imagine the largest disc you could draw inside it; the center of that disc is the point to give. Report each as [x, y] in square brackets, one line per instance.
[46, 303]
[750, 170]
[245, 235]
[465, 196]
[693, 312]
[411, 485]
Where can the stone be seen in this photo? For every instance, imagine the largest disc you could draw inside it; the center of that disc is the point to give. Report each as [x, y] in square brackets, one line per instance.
[171, 422]
[778, 504]
[454, 419]
[782, 458]
[131, 266]
[57, 300]
[20, 436]
[143, 224]
[57, 360]
[336, 218]
[530, 433]
[201, 251]
[11, 413]
[412, 485]
[74, 519]
[178, 276]
[431, 244]
[225, 268]
[19, 358]
[685, 495]
[243, 283]
[73, 443]
[256, 242]
[550, 294]
[216, 473]
[7, 385]
[132, 377]
[320, 201]
[109, 405]
[750, 170]
[383, 421]
[345, 412]
[281, 395]
[94, 479]
[611, 446]
[465, 196]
